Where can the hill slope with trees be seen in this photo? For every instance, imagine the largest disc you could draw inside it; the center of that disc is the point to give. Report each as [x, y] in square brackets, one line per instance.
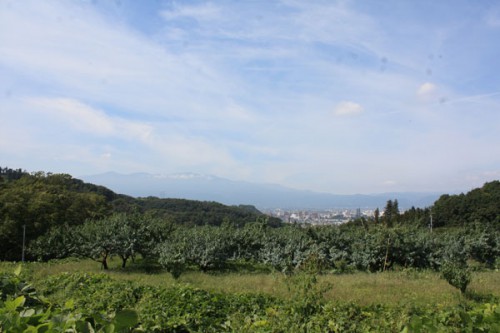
[42, 201]
[481, 205]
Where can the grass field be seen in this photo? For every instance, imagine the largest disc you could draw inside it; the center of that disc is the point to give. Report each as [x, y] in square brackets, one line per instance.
[388, 288]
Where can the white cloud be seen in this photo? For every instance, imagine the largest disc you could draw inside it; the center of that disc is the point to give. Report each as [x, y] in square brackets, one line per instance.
[426, 89]
[73, 113]
[389, 183]
[429, 92]
[348, 108]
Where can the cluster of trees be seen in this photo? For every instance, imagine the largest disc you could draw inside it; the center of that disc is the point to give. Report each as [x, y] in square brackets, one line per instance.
[8, 174]
[40, 202]
[65, 217]
[290, 248]
[481, 205]
[122, 235]
[347, 248]
[44, 202]
[196, 213]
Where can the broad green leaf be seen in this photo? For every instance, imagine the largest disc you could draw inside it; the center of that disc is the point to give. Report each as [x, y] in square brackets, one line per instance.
[15, 303]
[27, 312]
[126, 319]
[84, 327]
[43, 328]
[31, 329]
[18, 270]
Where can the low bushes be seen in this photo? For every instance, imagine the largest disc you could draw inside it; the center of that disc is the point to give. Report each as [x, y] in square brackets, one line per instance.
[95, 302]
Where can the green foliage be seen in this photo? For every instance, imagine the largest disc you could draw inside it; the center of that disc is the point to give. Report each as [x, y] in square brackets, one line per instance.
[91, 293]
[479, 205]
[23, 310]
[287, 249]
[8, 174]
[479, 318]
[307, 296]
[290, 248]
[458, 275]
[416, 217]
[43, 201]
[391, 213]
[454, 267]
[122, 235]
[173, 254]
[97, 303]
[198, 213]
[12, 286]
[50, 204]
[67, 217]
[482, 244]
[206, 247]
[177, 309]
[57, 243]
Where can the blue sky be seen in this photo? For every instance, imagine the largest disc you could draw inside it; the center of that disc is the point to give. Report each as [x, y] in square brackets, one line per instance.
[333, 96]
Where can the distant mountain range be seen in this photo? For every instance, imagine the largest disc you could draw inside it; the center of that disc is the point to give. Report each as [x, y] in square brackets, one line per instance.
[263, 196]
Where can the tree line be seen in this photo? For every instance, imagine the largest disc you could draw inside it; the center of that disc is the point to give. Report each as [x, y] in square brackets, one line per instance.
[41, 202]
[288, 249]
[66, 217]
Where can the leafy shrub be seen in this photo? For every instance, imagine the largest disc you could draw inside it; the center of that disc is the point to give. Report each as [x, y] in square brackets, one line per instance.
[77, 306]
[458, 275]
[23, 310]
[91, 293]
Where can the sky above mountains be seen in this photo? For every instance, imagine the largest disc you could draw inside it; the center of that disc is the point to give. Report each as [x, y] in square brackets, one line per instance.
[333, 96]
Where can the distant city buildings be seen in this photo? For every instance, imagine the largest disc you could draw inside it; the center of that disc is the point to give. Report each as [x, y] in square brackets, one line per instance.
[320, 217]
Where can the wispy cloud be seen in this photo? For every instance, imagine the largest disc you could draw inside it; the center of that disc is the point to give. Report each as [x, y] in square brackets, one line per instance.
[81, 117]
[297, 92]
[198, 12]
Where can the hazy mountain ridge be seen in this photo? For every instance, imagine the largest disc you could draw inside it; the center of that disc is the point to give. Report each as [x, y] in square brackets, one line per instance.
[264, 196]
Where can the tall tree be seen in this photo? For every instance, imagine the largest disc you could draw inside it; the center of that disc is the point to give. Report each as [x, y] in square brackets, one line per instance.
[395, 212]
[388, 211]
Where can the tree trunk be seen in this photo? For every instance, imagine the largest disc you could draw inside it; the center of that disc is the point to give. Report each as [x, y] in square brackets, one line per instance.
[386, 254]
[124, 261]
[104, 262]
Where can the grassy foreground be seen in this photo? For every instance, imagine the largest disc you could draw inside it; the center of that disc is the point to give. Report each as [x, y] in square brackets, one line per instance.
[77, 296]
[391, 288]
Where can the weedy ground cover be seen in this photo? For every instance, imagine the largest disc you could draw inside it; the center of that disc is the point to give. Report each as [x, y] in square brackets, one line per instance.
[390, 288]
[102, 303]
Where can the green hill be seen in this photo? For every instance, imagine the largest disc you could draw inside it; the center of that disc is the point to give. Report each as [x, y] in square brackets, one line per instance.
[481, 205]
[40, 201]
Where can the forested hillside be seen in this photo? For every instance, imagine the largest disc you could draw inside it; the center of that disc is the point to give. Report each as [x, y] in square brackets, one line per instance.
[42, 201]
[481, 205]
